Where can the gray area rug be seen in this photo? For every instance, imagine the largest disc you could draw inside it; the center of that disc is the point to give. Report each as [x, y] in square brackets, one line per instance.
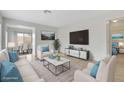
[66, 76]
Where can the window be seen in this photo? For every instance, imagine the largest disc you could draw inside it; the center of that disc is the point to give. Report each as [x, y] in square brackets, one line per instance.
[19, 39]
[23, 38]
[27, 38]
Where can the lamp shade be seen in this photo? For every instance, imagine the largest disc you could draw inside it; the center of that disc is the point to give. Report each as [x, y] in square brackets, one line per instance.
[11, 44]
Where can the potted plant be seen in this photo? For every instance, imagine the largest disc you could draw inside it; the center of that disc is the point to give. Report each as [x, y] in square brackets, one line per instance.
[56, 45]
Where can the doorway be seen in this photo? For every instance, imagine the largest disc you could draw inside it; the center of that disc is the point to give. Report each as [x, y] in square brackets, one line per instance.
[116, 46]
[21, 39]
[117, 36]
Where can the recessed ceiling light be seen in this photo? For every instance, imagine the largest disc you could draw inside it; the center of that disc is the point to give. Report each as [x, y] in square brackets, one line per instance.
[115, 21]
[47, 11]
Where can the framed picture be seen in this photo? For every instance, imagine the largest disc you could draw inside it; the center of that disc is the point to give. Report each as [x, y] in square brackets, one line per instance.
[48, 36]
[117, 36]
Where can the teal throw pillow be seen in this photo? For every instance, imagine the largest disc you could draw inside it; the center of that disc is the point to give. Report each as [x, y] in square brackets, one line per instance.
[13, 56]
[45, 49]
[94, 69]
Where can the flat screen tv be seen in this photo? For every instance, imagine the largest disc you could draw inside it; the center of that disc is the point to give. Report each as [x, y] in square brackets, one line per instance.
[79, 37]
[48, 36]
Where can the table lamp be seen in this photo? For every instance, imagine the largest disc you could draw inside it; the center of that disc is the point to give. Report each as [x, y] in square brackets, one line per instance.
[11, 45]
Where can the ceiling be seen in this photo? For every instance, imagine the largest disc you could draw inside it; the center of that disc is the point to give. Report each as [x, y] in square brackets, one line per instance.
[117, 26]
[57, 18]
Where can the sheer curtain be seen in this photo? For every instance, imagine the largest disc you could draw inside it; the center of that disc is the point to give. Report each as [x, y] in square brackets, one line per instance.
[24, 41]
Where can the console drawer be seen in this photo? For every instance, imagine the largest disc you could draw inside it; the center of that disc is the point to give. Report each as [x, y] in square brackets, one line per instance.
[74, 53]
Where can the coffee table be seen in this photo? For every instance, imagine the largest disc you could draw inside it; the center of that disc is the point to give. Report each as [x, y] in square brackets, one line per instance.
[63, 64]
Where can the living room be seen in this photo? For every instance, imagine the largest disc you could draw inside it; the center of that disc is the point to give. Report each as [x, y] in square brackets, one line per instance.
[68, 58]
[58, 45]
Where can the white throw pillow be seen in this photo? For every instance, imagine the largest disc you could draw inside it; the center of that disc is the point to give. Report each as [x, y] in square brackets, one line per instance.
[106, 60]
[4, 55]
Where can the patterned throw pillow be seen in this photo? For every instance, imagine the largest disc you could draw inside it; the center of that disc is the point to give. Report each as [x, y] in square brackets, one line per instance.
[13, 56]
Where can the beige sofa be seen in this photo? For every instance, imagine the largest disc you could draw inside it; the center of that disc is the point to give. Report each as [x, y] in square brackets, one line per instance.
[106, 72]
[27, 72]
[121, 50]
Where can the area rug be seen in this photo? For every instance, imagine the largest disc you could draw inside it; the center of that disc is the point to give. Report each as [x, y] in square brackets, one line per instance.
[67, 76]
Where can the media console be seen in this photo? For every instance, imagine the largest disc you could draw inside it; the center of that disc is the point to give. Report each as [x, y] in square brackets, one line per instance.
[83, 54]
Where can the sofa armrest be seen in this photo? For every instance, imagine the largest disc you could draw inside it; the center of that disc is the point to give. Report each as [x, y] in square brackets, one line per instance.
[39, 54]
[79, 76]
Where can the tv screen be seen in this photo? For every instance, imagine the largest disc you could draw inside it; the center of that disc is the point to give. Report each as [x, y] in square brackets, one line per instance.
[79, 37]
[48, 36]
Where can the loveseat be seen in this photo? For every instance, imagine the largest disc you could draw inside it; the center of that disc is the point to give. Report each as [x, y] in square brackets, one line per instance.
[26, 71]
[105, 73]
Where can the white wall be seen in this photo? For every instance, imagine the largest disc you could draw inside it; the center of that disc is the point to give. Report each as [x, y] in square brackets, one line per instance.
[39, 28]
[12, 33]
[98, 44]
[11, 36]
[98, 40]
[95, 44]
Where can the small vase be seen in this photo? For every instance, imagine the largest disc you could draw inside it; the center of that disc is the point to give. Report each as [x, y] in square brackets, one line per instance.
[56, 51]
[58, 58]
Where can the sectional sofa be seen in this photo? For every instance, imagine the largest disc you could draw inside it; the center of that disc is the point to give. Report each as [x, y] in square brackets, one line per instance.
[25, 69]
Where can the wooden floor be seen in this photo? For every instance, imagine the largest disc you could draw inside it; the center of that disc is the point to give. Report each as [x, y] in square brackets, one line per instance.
[81, 64]
[119, 73]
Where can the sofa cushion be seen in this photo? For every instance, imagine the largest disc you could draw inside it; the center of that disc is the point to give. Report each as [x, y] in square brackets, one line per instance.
[26, 70]
[94, 70]
[79, 76]
[10, 73]
[86, 71]
[110, 70]
[13, 56]
[31, 78]
[21, 62]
